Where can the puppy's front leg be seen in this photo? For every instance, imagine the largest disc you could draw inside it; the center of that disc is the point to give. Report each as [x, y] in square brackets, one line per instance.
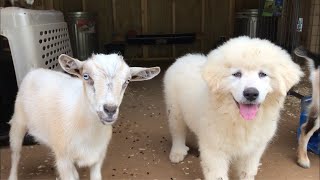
[215, 164]
[247, 165]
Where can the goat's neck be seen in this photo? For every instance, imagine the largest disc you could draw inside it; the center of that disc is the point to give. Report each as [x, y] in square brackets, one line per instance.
[86, 109]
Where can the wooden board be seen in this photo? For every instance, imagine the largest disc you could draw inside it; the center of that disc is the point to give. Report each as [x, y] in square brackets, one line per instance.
[188, 16]
[217, 22]
[128, 15]
[160, 22]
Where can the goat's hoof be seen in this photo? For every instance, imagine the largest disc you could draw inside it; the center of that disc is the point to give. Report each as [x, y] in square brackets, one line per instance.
[13, 177]
[177, 154]
[305, 163]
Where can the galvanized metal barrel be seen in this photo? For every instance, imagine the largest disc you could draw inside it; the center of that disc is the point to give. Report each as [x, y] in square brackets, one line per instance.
[246, 22]
[82, 30]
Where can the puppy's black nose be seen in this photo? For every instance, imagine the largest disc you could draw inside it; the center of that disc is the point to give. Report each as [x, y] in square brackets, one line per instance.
[251, 94]
[110, 110]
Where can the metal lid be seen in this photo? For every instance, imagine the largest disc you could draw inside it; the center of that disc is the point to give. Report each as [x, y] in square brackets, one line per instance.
[250, 12]
[80, 14]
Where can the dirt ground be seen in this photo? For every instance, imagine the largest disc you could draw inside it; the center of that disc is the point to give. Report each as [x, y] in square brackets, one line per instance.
[141, 144]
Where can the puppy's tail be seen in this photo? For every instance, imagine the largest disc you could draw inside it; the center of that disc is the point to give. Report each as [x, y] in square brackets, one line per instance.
[313, 59]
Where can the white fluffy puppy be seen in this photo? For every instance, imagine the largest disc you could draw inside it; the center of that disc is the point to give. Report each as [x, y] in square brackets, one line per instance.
[231, 100]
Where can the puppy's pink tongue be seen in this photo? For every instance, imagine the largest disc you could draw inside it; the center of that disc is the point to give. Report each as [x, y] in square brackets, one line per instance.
[248, 111]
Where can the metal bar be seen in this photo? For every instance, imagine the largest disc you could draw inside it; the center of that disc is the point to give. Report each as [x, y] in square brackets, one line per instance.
[144, 24]
[203, 3]
[114, 15]
[173, 26]
[295, 94]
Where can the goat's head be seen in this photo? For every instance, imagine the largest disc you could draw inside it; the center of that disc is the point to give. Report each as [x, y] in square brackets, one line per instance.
[105, 78]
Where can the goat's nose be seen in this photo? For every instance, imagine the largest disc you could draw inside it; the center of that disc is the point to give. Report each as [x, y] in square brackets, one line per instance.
[110, 109]
[251, 94]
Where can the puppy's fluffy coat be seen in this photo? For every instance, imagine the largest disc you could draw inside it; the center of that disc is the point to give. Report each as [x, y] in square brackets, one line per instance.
[206, 94]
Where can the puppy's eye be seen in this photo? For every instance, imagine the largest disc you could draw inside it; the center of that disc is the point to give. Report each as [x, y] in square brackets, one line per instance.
[86, 76]
[262, 74]
[237, 74]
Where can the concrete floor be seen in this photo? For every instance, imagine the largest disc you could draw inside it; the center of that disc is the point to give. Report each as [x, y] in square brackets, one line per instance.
[141, 144]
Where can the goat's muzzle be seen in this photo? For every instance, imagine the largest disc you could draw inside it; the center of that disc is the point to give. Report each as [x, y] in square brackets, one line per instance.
[108, 117]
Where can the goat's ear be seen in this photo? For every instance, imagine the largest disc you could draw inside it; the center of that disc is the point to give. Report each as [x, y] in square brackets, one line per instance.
[70, 65]
[142, 74]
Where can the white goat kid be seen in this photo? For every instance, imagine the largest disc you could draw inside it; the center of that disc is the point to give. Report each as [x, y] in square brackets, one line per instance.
[73, 115]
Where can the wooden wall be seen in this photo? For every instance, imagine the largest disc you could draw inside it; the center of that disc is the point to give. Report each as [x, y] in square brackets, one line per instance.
[209, 19]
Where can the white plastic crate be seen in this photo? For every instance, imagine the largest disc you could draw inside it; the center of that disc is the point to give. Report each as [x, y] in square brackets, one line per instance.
[36, 38]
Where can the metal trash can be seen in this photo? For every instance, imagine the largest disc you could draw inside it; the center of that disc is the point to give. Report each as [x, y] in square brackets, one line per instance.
[82, 30]
[246, 23]
[249, 23]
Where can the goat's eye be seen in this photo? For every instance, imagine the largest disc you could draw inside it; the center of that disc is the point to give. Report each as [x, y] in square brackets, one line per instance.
[86, 76]
[237, 74]
[127, 81]
[262, 74]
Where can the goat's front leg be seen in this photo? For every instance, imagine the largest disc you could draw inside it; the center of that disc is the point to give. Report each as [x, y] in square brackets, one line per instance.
[215, 163]
[95, 170]
[66, 169]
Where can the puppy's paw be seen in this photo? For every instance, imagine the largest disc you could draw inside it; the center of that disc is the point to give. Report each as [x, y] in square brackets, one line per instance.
[178, 153]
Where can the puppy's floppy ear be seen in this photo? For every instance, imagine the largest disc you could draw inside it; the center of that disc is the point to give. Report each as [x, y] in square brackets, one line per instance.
[210, 75]
[290, 74]
[70, 65]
